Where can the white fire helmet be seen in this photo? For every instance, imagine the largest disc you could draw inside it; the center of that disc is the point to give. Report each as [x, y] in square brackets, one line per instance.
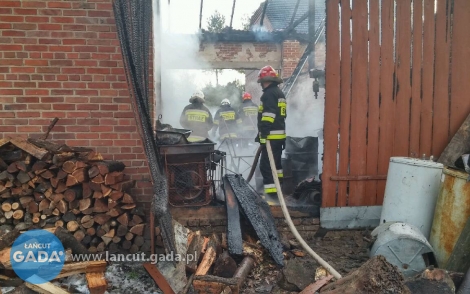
[225, 102]
[197, 96]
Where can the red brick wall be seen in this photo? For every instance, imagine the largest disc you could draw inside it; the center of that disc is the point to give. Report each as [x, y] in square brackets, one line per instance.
[62, 59]
[291, 53]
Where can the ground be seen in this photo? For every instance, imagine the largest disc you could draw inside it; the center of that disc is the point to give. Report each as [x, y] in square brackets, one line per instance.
[343, 250]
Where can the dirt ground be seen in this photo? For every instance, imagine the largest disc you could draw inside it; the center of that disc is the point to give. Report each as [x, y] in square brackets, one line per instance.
[343, 250]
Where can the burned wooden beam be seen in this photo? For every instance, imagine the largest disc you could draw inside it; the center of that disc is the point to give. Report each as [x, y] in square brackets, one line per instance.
[259, 214]
[265, 7]
[234, 231]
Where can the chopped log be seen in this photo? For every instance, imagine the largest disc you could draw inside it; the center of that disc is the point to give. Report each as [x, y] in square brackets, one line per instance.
[48, 174]
[92, 249]
[3, 220]
[87, 240]
[74, 205]
[43, 216]
[18, 214]
[126, 244]
[54, 182]
[39, 165]
[96, 283]
[106, 167]
[62, 206]
[59, 223]
[225, 266]
[98, 179]
[97, 195]
[196, 247]
[79, 235]
[61, 187]
[224, 243]
[80, 175]
[91, 231]
[123, 219]
[113, 178]
[105, 190]
[61, 174]
[206, 263]
[12, 168]
[69, 241]
[139, 241]
[116, 195]
[59, 159]
[87, 211]
[46, 288]
[115, 212]
[75, 268]
[93, 172]
[121, 230]
[127, 199]
[137, 229]
[128, 236]
[101, 219]
[204, 244]
[6, 206]
[73, 193]
[84, 204]
[112, 203]
[22, 165]
[5, 175]
[100, 232]
[137, 219]
[71, 181]
[69, 166]
[134, 249]
[87, 221]
[116, 239]
[68, 216]
[127, 206]
[95, 187]
[44, 204]
[72, 226]
[57, 197]
[101, 247]
[374, 276]
[124, 186]
[8, 214]
[91, 156]
[86, 190]
[100, 206]
[23, 177]
[6, 195]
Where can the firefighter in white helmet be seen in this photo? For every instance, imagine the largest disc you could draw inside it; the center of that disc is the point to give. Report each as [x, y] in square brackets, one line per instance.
[226, 119]
[197, 118]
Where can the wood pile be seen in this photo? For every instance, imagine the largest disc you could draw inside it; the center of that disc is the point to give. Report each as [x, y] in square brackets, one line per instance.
[44, 185]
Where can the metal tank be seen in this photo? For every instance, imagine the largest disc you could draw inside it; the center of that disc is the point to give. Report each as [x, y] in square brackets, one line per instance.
[411, 192]
[451, 214]
[403, 245]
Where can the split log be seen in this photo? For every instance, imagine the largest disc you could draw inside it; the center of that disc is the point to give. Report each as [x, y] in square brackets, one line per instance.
[73, 193]
[126, 244]
[39, 165]
[124, 186]
[12, 168]
[75, 268]
[57, 197]
[69, 241]
[91, 231]
[374, 276]
[48, 174]
[72, 226]
[84, 204]
[98, 179]
[71, 181]
[137, 229]
[112, 203]
[79, 235]
[206, 263]
[196, 247]
[7, 239]
[225, 266]
[101, 247]
[86, 190]
[61, 206]
[69, 166]
[137, 219]
[46, 288]
[100, 206]
[128, 236]
[61, 174]
[96, 283]
[116, 195]
[69, 216]
[23, 177]
[93, 172]
[80, 175]
[101, 219]
[8, 214]
[122, 230]
[134, 249]
[127, 206]
[97, 195]
[61, 187]
[113, 178]
[87, 240]
[115, 212]
[116, 239]
[105, 190]
[139, 241]
[123, 219]
[44, 204]
[95, 187]
[127, 199]
[59, 223]
[107, 167]
[87, 221]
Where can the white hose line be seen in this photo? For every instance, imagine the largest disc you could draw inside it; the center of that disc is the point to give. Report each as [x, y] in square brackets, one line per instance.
[293, 229]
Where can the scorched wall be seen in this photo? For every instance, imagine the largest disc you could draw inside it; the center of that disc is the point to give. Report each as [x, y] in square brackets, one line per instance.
[62, 59]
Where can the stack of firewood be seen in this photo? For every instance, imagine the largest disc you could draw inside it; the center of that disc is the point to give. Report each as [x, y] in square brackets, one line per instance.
[45, 185]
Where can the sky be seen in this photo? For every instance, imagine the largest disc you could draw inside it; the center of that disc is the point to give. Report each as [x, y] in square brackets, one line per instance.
[182, 17]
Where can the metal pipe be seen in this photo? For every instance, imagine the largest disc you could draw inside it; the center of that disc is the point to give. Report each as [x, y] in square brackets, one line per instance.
[200, 15]
[233, 11]
[293, 229]
[264, 12]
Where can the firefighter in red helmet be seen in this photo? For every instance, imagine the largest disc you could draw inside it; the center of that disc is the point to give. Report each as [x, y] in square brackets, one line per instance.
[248, 113]
[271, 126]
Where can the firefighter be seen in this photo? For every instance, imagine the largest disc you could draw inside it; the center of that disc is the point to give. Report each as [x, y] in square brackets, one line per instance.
[271, 126]
[248, 113]
[197, 118]
[226, 119]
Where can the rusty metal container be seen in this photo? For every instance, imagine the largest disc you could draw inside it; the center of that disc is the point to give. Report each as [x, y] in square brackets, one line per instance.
[451, 214]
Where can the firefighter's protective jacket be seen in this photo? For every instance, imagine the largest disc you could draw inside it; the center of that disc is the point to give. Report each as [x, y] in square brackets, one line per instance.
[227, 120]
[197, 118]
[272, 114]
[248, 113]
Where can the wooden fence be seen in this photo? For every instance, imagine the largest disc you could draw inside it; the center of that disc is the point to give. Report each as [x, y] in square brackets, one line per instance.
[397, 84]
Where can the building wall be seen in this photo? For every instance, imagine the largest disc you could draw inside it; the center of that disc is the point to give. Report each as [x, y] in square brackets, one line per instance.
[62, 59]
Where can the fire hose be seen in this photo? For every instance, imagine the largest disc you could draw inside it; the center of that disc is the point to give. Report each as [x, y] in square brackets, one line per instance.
[293, 229]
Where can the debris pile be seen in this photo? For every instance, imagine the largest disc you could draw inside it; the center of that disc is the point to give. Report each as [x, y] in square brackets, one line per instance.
[46, 185]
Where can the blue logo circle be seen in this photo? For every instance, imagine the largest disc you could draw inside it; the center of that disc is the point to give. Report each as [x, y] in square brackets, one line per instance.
[37, 256]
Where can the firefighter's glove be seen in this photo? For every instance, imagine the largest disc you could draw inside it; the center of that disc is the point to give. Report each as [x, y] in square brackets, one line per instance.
[262, 140]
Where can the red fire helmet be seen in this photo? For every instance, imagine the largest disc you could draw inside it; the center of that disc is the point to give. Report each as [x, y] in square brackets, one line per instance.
[246, 96]
[268, 74]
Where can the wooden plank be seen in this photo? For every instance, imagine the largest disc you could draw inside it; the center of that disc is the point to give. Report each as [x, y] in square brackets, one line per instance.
[402, 82]
[428, 79]
[359, 178]
[386, 93]
[459, 144]
[4, 141]
[460, 102]
[234, 230]
[97, 283]
[74, 268]
[159, 279]
[332, 100]
[359, 103]
[345, 111]
[313, 288]
[415, 119]
[24, 145]
[374, 107]
[440, 136]
[46, 288]
[207, 261]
